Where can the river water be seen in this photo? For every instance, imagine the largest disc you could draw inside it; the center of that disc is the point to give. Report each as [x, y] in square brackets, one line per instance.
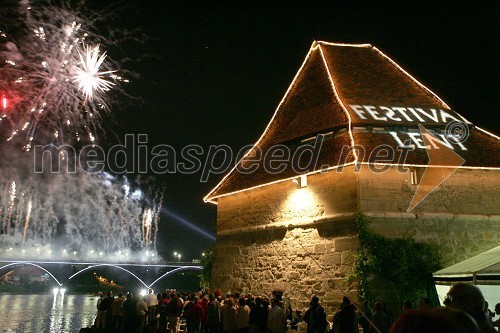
[47, 312]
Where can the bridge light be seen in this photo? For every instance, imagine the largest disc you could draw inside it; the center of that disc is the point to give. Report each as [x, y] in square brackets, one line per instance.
[55, 290]
[62, 291]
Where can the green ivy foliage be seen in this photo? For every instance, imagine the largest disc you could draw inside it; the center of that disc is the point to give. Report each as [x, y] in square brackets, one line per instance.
[403, 261]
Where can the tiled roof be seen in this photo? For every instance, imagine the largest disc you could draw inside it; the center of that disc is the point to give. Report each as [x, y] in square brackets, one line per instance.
[355, 95]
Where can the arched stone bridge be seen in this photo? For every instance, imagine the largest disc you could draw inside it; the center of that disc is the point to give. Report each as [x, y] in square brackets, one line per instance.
[62, 272]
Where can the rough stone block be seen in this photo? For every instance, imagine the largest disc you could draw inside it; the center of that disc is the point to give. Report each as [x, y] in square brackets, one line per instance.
[348, 258]
[334, 294]
[336, 284]
[331, 259]
[319, 248]
[310, 282]
[299, 265]
[346, 244]
[330, 247]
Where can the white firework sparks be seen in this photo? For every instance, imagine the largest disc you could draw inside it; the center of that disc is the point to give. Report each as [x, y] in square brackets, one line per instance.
[55, 81]
[88, 76]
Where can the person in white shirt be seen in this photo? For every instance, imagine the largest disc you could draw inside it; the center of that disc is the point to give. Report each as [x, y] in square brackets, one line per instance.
[151, 301]
[277, 318]
[142, 310]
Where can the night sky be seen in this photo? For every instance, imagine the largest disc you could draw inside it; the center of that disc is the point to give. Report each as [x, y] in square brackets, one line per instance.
[215, 74]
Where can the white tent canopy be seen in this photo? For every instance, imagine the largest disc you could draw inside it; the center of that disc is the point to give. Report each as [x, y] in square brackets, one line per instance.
[483, 268]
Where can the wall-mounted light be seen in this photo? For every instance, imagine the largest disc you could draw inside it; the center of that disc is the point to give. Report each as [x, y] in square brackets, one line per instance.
[301, 181]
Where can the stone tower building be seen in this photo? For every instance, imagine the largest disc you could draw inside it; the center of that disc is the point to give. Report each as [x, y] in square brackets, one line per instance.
[354, 134]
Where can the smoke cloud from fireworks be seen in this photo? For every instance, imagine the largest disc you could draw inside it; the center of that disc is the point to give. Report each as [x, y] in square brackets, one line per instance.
[80, 215]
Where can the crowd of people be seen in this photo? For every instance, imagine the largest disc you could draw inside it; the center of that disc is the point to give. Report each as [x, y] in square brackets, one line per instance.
[212, 312]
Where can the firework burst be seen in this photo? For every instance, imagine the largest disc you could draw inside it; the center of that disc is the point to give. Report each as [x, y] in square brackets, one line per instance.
[88, 76]
[56, 78]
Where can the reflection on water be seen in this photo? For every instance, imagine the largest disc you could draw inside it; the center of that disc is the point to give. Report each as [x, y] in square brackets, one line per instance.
[51, 313]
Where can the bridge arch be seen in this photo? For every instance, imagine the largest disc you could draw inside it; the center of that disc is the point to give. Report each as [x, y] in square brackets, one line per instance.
[32, 264]
[109, 265]
[175, 270]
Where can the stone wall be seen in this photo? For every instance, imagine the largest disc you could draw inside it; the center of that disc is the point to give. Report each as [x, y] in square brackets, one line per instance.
[461, 216]
[458, 236]
[299, 261]
[284, 203]
[303, 240]
[467, 191]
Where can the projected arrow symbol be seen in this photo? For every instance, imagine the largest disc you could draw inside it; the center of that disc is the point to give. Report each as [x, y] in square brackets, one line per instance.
[443, 162]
